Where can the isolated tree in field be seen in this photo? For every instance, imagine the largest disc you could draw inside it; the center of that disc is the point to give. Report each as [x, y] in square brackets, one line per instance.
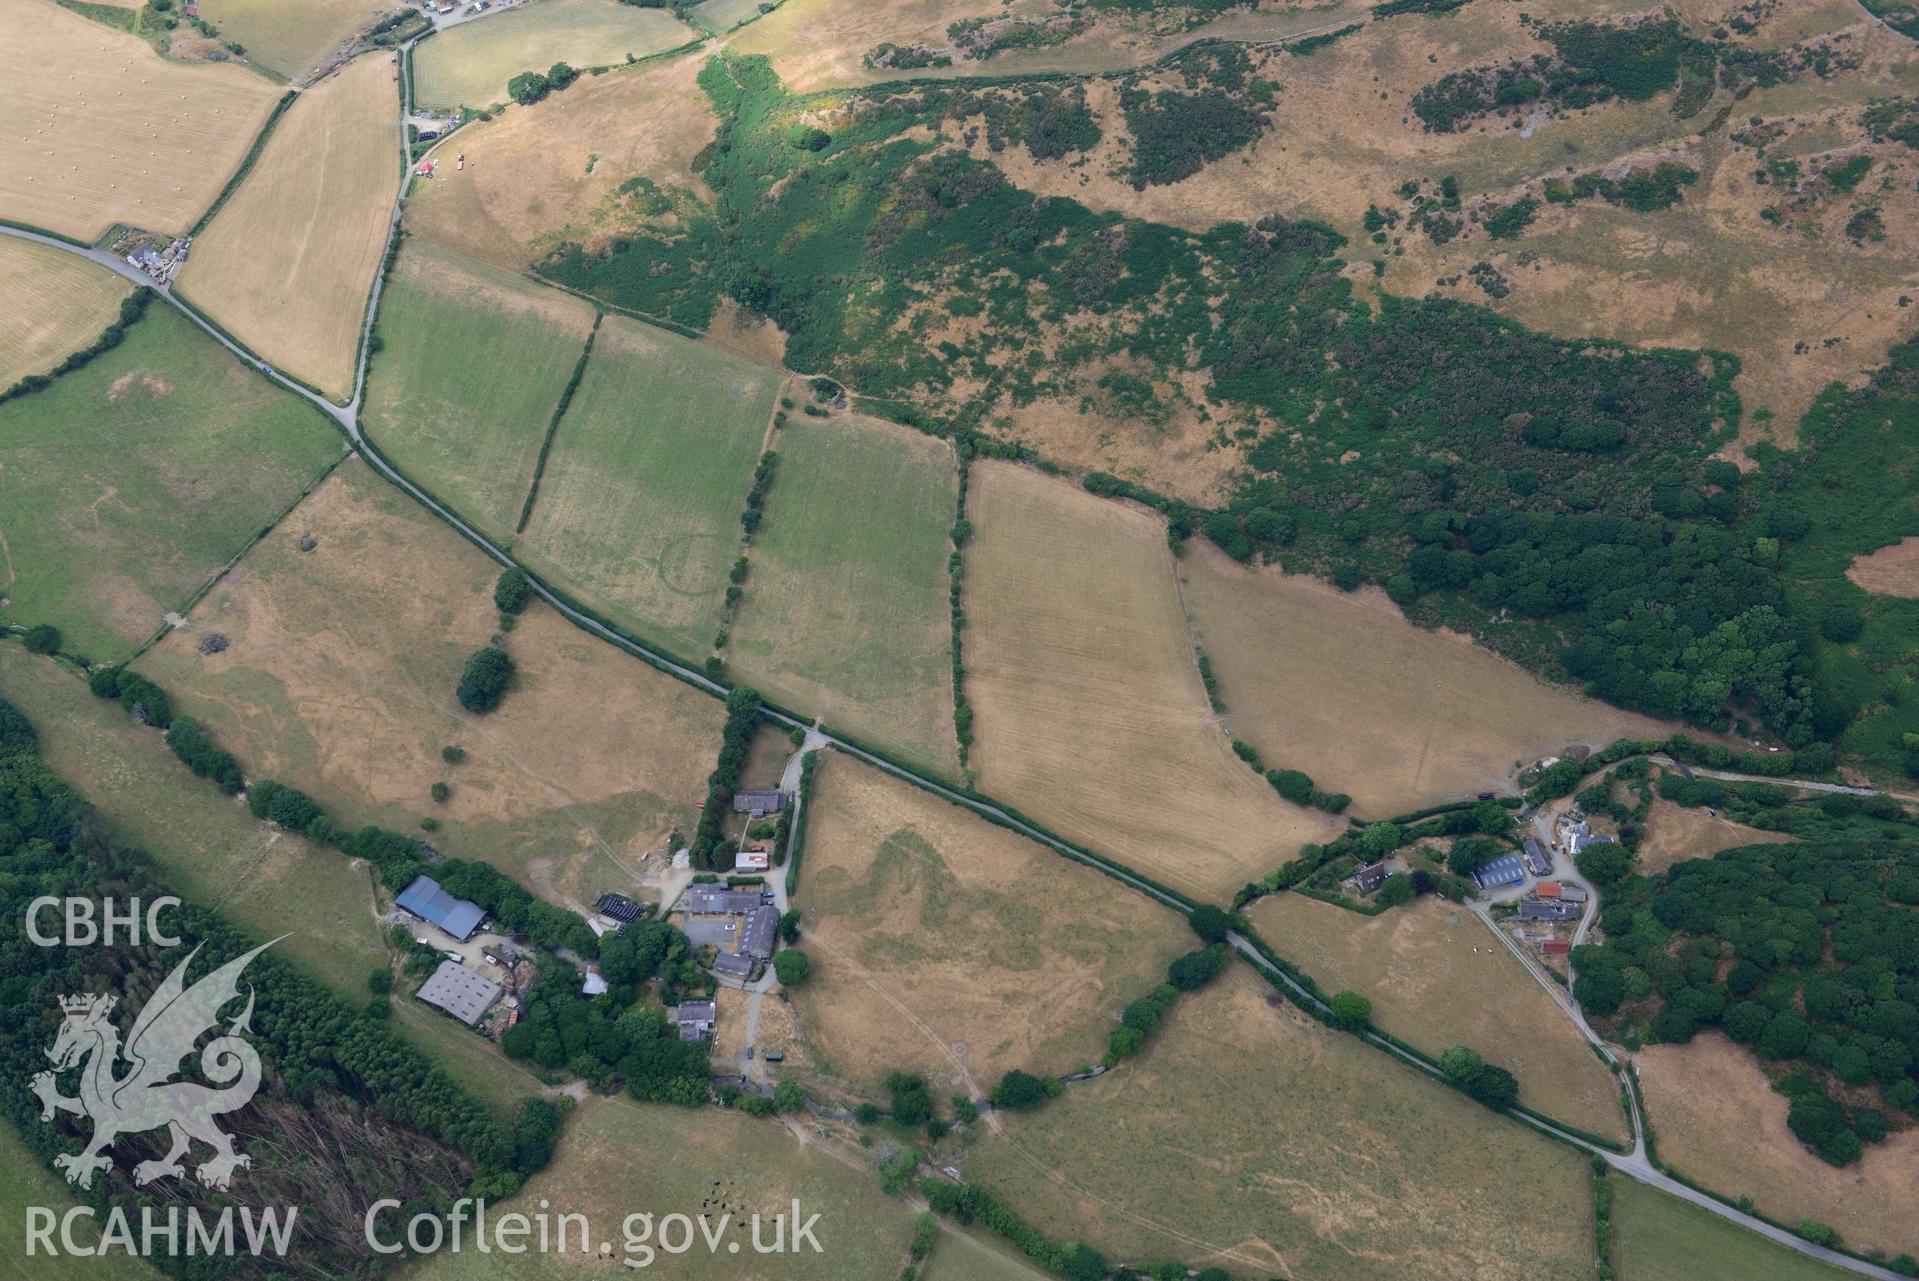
[1461, 1063]
[512, 592]
[528, 88]
[1210, 923]
[483, 682]
[1351, 1009]
[1494, 1086]
[912, 1101]
[1019, 1091]
[43, 639]
[792, 966]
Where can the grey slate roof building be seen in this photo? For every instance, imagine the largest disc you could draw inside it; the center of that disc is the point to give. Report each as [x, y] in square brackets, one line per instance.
[734, 966]
[1370, 877]
[1504, 870]
[716, 900]
[761, 801]
[1533, 909]
[426, 900]
[463, 993]
[696, 1019]
[757, 938]
[1538, 862]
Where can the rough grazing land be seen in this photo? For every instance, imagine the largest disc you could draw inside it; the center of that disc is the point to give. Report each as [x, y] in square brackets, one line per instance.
[339, 679]
[100, 129]
[471, 64]
[947, 946]
[126, 485]
[1341, 686]
[287, 264]
[1721, 1125]
[638, 513]
[1674, 834]
[1089, 710]
[291, 37]
[1250, 1137]
[526, 185]
[52, 304]
[846, 613]
[209, 847]
[1890, 571]
[1437, 977]
[1661, 1238]
[618, 1157]
[472, 364]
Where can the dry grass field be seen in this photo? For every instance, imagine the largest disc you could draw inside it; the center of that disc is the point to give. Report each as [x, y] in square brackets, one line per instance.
[618, 1158]
[339, 678]
[1088, 707]
[472, 363]
[846, 613]
[526, 185]
[1340, 685]
[1720, 1124]
[101, 129]
[1674, 834]
[1250, 1137]
[1890, 571]
[291, 37]
[52, 303]
[639, 506]
[945, 945]
[288, 263]
[1437, 977]
[470, 64]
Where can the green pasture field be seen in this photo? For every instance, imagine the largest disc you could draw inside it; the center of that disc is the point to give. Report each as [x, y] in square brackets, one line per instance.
[30, 1183]
[845, 613]
[638, 513]
[472, 362]
[721, 16]
[471, 64]
[211, 849]
[127, 484]
[1251, 1138]
[618, 1158]
[1656, 1237]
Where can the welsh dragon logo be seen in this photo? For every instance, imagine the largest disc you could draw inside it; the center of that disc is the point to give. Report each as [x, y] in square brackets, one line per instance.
[145, 1096]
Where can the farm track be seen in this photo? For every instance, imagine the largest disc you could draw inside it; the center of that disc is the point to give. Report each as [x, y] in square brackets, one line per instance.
[1634, 1165]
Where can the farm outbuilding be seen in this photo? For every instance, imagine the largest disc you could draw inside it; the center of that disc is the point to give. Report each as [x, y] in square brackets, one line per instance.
[463, 993]
[761, 926]
[696, 1019]
[1504, 870]
[713, 900]
[732, 965]
[761, 801]
[425, 899]
[1538, 862]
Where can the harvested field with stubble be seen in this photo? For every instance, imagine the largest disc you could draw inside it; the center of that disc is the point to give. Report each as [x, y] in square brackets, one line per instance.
[945, 945]
[471, 64]
[526, 186]
[638, 512]
[1721, 1125]
[473, 361]
[127, 484]
[288, 263]
[1674, 833]
[1437, 977]
[52, 303]
[1089, 711]
[1340, 685]
[618, 1158]
[846, 613]
[339, 678]
[101, 129]
[1249, 1137]
[291, 37]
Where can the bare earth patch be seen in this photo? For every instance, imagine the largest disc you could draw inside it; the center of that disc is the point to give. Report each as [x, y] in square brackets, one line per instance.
[1720, 1123]
[1090, 713]
[1437, 977]
[1340, 685]
[1890, 571]
[339, 676]
[948, 946]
